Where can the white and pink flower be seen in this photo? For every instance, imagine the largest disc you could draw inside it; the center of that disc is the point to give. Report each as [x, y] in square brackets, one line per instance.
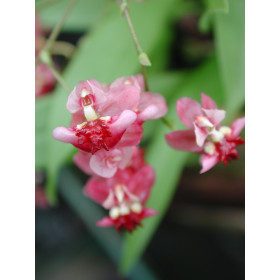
[206, 136]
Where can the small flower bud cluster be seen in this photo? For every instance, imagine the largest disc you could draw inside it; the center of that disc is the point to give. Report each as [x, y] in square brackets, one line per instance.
[106, 127]
[205, 135]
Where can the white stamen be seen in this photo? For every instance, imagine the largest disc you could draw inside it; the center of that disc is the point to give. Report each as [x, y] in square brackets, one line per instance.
[119, 193]
[209, 148]
[203, 122]
[124, 210]
[136, 207]
[79, 126]
[117, 158]
[216, 136]
[114, 212]
[84, 93]
[225, 130]
[90, 113]
[107, 118]
[127, 82]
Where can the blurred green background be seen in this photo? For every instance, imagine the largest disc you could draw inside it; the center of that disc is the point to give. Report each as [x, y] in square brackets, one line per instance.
[194, 47]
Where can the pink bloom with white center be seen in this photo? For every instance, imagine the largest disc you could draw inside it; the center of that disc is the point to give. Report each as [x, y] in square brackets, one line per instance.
[104, 163]
[203, 120]
[225, 150]
[100, 116]
[214, 144]
[124, 196]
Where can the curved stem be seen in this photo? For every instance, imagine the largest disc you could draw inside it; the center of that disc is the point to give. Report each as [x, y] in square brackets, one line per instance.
[58, 27]
[143, 58]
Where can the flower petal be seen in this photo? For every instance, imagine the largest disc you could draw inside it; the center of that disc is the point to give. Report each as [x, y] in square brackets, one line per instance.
[73, 104]
[142, 182]
[187, 110]
[132, 135]
[82, 161]
[66, 135]
[207, 102]
[151, 106]
[97, 189]
[148, 212]
[125, 97]
[136, 80]
[100, 168]
[237, 127]
[215, 116]
[183, 140]
[208, 162]
[119, 126]
[106, 222]
[200, 135]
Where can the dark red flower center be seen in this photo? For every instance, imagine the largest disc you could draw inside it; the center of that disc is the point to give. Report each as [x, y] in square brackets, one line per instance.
[128, 222]
[93, 136]
[227, 149]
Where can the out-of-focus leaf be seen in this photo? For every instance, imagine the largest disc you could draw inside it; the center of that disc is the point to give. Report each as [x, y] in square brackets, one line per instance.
[167, 162]
[83, 14]
[42, 108]
[230, 46]
[105, 54]
[212, 7]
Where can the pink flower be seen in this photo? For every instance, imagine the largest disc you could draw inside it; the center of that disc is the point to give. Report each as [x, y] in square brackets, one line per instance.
[124, 195]
[205, 136]
[100, 116]
[104, 163]
[203, 120]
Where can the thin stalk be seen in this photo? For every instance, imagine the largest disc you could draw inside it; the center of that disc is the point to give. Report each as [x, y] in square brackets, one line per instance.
[58, 27]
[146, 62]
[142, 56]
[59, 78]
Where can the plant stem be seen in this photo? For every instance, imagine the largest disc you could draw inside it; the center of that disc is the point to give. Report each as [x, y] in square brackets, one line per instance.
[125, 12]
[144, 60]
[58, 27]
[59, 78]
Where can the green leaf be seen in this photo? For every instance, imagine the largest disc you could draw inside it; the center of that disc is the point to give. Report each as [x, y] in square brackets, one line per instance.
[230, 47]
[83, 14]
[97, 57]
[42, 108]
[211, 8]
[167, 162]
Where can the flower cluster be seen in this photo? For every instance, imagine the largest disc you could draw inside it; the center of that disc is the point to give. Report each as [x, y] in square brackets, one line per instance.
[206, 136]
[106, 127]
[44, 79]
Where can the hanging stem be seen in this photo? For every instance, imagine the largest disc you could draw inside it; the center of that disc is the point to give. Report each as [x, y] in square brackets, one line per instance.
[142, 56]
[59, 78]
[58, 27]
[55, 31]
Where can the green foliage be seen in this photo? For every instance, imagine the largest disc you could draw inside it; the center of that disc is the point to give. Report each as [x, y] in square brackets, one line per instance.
[41, 119]
[230, 48]
[84, 13]
[211, 8]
